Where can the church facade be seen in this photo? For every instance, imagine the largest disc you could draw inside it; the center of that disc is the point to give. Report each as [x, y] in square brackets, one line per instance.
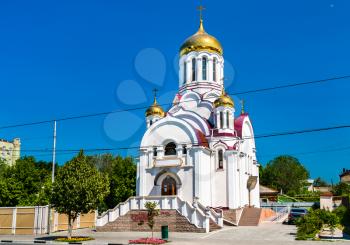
[201, 149]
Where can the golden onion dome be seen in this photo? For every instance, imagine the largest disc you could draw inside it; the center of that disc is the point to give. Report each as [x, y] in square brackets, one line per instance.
[155, 109]
[201, 41]
[224, 100]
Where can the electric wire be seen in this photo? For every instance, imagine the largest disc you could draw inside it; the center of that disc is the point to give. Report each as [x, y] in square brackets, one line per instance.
[167, 104]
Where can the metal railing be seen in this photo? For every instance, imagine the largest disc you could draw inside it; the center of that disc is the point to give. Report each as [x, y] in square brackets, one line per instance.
[193, 214]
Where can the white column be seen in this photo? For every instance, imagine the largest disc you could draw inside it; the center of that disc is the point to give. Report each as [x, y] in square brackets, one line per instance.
[160, 152]
[230, 179]
[181, 73]
[210, 70]
[189, 70]
[196, 172]
[236, 181]
[14, 220]
[179, 151]
[225, 118]
[199, 70]
[240, 176]
[220, 71]
[141, 172]
[233, 119]
[230, 121]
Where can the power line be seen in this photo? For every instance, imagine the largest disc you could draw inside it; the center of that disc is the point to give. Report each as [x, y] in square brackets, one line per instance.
[285, 133]
[310, 152]
[292, 85]
[302, 131]
[167, 104]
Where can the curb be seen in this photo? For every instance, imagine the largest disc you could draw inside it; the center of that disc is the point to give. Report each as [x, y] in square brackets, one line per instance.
[53, 242]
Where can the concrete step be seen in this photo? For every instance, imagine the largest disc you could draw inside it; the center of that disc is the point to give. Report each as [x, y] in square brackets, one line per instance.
[250, 217]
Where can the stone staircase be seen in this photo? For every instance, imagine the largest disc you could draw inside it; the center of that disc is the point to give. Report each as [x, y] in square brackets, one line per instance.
[213, 226]
[232, 216]
[250, 216]
[178, 215]
[136, 220]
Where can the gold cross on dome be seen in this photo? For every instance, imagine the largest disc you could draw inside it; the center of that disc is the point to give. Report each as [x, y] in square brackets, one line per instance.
[155, 96]
[155, 92]
[200, 8]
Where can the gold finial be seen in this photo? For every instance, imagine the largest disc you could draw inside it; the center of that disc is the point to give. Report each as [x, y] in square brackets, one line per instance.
[223, 91]
[242, 109]
[155, 95]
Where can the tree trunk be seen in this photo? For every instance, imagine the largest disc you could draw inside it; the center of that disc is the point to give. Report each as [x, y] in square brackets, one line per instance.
[70, 228]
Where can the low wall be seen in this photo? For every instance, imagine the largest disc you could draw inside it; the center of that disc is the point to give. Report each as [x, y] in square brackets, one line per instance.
[24, 220]
[266, 213]
[36, 220]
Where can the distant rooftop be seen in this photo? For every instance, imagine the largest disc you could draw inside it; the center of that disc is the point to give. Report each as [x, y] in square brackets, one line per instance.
[265, 189]
[7, 141]
[345, 172]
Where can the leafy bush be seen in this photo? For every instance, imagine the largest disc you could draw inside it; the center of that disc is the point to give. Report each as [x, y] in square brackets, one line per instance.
[312, 223]
[344, 215]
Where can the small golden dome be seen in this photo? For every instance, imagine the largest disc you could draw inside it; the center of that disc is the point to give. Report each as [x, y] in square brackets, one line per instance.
[155, 109]
[201, 41]
[224, 100]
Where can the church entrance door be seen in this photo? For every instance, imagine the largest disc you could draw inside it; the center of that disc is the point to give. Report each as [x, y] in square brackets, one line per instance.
[168, 186]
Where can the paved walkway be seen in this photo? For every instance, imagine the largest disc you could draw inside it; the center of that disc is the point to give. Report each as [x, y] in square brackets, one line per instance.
[272, 234]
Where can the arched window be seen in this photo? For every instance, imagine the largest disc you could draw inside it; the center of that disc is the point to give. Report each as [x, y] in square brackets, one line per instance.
[155, 151]
[220, 159]
[185, 72]
[150, 122]
[221, 119]
[214, 69]
[170, 149]
[227, 119]
[204, 68]
[193, 69]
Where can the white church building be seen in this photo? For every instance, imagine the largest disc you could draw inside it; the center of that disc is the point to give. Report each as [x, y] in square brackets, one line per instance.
[201, 148]
[198, 159]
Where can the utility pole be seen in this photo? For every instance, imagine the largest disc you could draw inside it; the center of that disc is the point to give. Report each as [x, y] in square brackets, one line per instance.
[54, 152]
[49, 221]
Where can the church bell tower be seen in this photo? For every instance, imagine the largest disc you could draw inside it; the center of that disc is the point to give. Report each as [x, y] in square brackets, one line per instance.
[201, 64]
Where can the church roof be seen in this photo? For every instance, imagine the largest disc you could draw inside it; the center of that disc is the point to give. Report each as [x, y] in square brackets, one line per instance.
[239, 124]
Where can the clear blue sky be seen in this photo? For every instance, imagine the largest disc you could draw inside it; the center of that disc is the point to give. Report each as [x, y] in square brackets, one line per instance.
[65, 58]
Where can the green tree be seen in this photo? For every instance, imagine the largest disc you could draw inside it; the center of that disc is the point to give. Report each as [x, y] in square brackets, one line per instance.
[341, 189]
[3, 167]
[285, 173]
[152, 212]
[261, 171]
[319, 182]
[10, 192]
[24, 181]
[122, 174]
[78, 188]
